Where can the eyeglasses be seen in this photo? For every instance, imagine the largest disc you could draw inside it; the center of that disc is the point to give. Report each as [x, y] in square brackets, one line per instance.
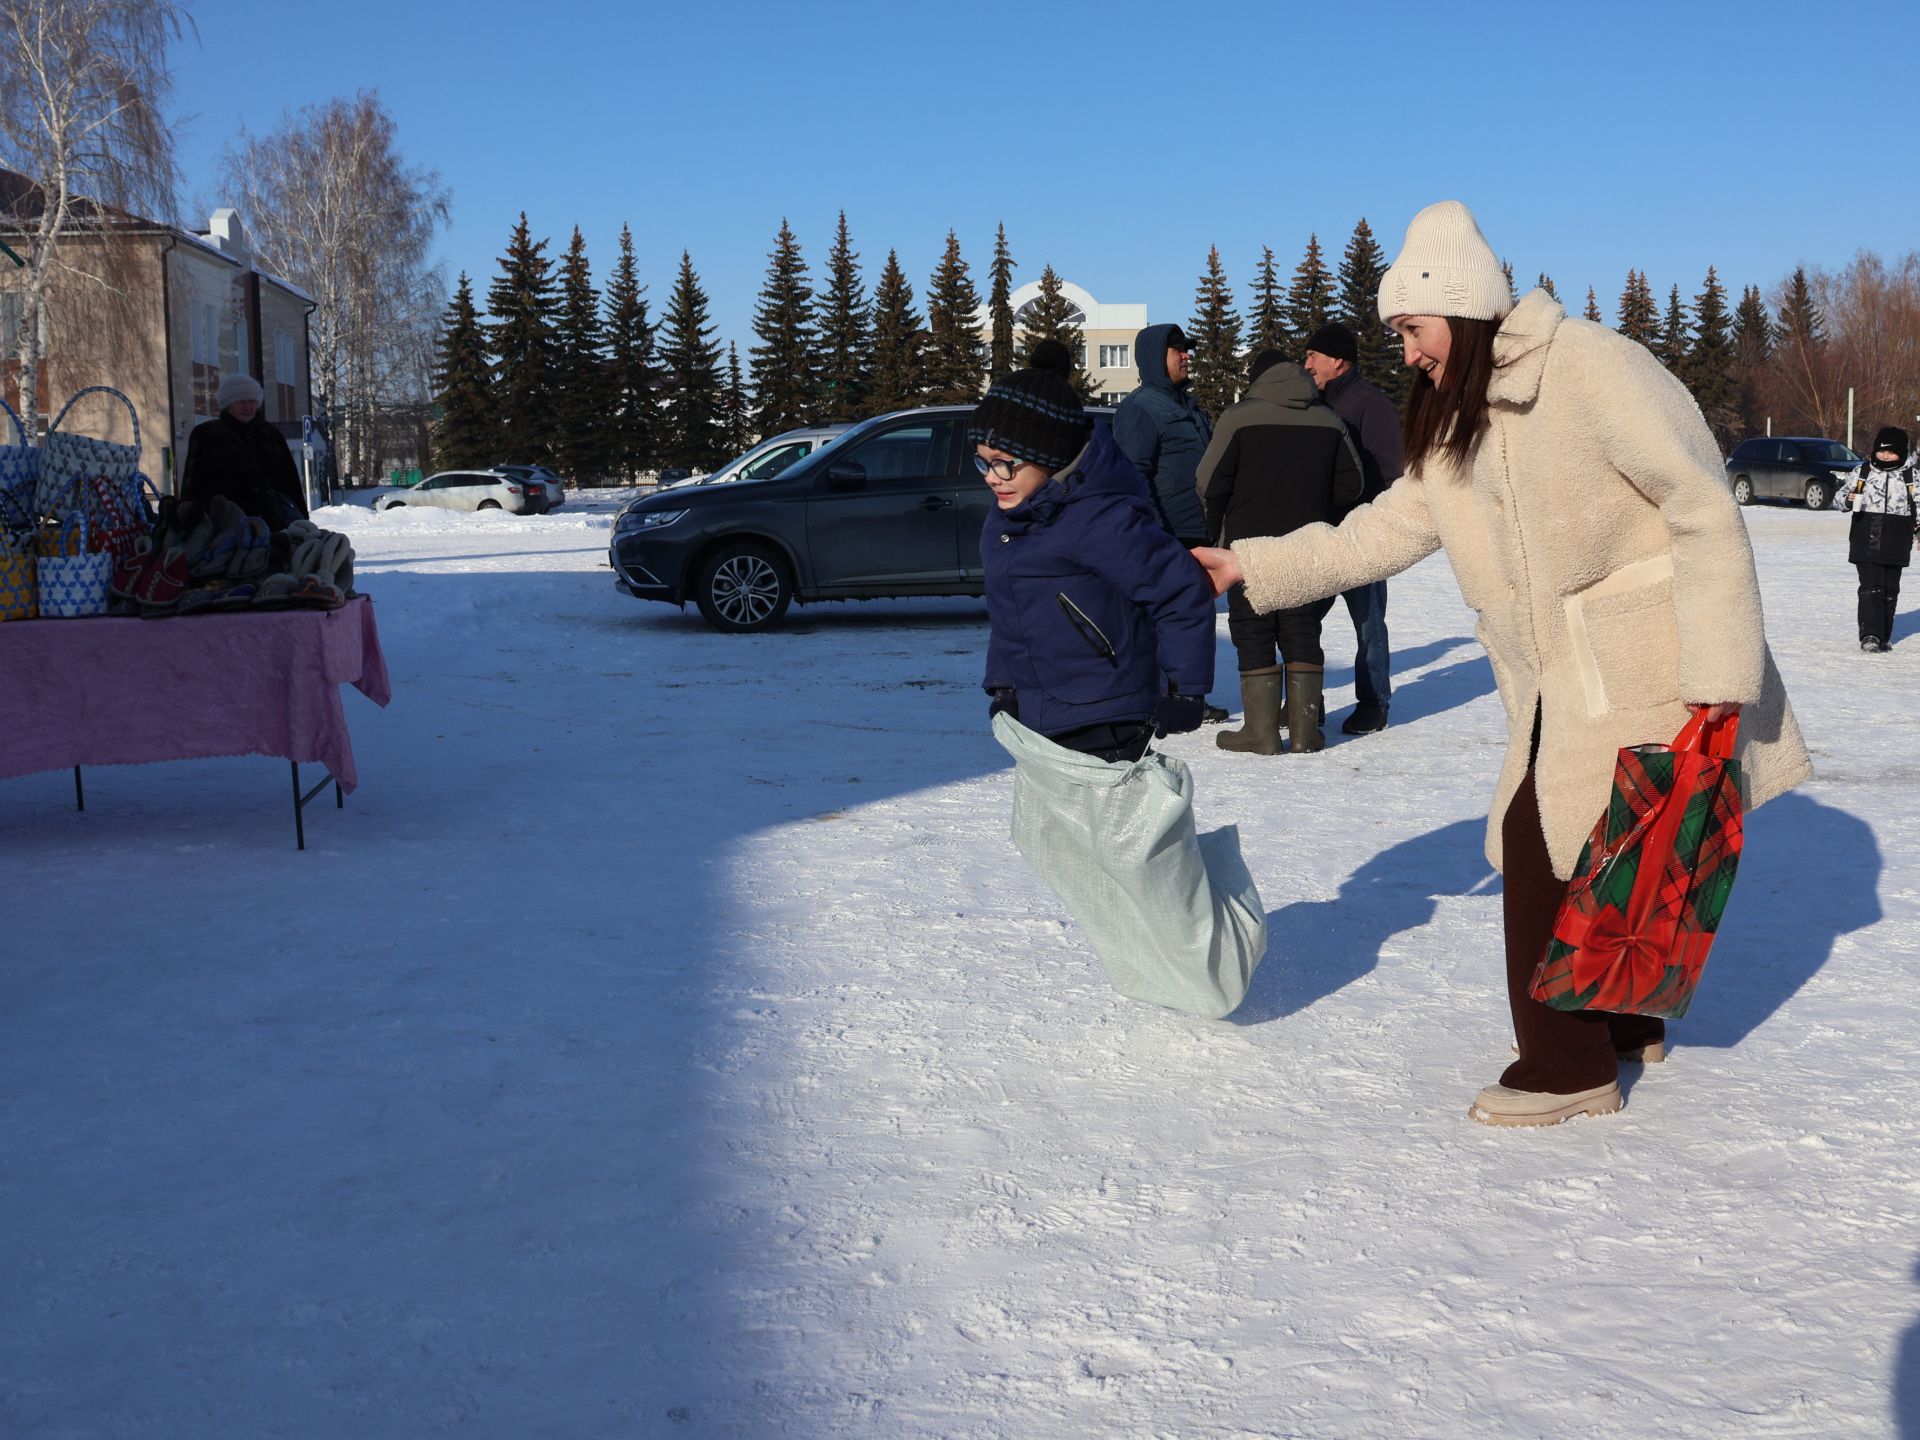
[1003, 469]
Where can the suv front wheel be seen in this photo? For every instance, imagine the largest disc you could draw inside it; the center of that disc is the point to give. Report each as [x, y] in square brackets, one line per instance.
[1742, 490]
[742, 588]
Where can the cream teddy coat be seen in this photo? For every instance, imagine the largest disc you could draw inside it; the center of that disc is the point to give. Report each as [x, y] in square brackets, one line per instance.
[1593, 534]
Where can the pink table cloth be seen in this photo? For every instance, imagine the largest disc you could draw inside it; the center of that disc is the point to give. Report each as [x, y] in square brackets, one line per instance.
[109, 691]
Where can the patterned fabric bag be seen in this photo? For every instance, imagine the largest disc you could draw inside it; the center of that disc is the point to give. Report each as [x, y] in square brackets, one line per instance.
[70, 460]
[73, 578]
[118, 515]
[1646, 898]
[19, 594]
[19, 479]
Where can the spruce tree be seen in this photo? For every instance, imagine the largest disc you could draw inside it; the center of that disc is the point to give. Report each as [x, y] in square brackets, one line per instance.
[1593, 307]
[846, 332]
[582, 403]
[1362, 266]
[1545, 282]
[1050, 315]
[694, 428]
[1267, 316]
[1000, 359]
[466, 435]
[525, 378]
[1215, 333]
[1801, 324]
[736, 419]
[633, 412]
[1672, 344]
[1310, 296]
[955, 357]
[784, 361]
[1752, 330]
[1639, 318]
[897, 343]
[1709, 365]
[1752, 352]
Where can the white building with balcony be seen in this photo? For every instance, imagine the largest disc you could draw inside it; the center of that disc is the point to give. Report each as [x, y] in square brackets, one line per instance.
[1106, 330]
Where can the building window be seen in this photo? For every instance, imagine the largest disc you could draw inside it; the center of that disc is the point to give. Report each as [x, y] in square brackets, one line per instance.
[1080, 354]
[286, 371]
[205, 325]
[1114, 357]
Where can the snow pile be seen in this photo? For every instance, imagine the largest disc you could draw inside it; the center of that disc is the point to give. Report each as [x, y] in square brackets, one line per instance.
[666, 1039]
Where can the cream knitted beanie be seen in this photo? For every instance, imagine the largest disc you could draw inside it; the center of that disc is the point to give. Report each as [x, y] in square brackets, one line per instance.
[1445, 267]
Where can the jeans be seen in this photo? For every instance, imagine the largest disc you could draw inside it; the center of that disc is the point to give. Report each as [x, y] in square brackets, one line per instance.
[1372, 672]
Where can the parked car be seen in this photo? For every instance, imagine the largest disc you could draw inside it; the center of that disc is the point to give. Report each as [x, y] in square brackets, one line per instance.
[1788, 467]
[673, 474]
[892, 507]
[531, 474]
[769, 457]
[470, 490]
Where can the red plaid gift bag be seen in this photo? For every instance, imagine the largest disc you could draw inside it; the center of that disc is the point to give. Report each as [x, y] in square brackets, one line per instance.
[1646, 898]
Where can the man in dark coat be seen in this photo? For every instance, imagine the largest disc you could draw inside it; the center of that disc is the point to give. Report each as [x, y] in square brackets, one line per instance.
[1281, 459]
[1332, 354]
[239, 455]
[1161, 428]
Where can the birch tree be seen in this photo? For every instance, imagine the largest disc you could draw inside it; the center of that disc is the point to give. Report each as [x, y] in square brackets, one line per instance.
[83, 84]
[334, 208]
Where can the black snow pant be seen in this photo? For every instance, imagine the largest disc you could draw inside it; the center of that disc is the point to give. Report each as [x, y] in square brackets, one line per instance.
[1561, 1051]
[1294, 633]
[1879, 594]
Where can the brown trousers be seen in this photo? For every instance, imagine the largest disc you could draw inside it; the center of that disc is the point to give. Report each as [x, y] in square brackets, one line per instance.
[1561, 1051]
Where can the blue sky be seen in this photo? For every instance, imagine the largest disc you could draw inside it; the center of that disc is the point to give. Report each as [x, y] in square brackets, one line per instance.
[1117, 141]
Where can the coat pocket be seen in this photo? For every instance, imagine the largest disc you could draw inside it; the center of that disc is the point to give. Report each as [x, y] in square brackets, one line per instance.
[1626, 638]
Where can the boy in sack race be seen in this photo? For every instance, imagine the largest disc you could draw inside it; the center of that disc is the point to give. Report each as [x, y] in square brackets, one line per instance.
[1102, 640]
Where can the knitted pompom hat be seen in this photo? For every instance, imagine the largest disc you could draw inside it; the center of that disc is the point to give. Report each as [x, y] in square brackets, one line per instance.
[1034, 413]
[1445, 267]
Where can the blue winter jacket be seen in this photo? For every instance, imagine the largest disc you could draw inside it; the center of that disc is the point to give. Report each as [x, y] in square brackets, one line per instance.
[1137, 617]
[1163, 430]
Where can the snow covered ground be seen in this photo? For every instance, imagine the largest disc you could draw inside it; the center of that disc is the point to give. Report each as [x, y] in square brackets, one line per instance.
[666, 1040]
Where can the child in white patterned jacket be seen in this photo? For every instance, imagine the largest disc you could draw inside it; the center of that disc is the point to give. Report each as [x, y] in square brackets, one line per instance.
[1881, 495]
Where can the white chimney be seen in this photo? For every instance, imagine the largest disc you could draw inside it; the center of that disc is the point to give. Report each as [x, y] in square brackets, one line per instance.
[226, 231]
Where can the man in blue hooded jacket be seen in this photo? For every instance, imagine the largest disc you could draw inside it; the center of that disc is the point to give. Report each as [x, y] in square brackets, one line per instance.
[1161, 428]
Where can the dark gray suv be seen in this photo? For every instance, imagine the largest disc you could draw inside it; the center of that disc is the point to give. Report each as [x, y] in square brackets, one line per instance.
[1788, 467]
[893, 507]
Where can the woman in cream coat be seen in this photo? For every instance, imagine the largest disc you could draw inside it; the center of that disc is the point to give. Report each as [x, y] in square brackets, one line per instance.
[1579, 496]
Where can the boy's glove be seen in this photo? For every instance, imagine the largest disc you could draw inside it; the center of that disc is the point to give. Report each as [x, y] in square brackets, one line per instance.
[1005, 702]
[1176, 714]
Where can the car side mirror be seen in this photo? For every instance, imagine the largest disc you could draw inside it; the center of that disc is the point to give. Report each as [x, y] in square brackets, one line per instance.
[847, 475]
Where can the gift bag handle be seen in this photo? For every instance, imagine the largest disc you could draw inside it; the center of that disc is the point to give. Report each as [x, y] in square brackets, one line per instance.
[99, 390]
[1714, 740]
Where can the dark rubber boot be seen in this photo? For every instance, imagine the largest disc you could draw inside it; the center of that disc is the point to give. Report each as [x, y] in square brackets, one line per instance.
[1304, 709]
[1259, 733]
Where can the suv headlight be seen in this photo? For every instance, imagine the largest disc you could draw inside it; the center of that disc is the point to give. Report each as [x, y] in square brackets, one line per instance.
[633, 520]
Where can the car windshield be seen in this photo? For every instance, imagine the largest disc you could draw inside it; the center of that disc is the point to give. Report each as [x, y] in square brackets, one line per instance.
[774, 461]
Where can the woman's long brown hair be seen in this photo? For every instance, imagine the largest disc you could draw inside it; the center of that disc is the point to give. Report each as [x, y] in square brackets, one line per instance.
[1449, 417]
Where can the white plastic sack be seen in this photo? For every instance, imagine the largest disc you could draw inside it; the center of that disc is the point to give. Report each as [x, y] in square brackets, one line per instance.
[1174, 916]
